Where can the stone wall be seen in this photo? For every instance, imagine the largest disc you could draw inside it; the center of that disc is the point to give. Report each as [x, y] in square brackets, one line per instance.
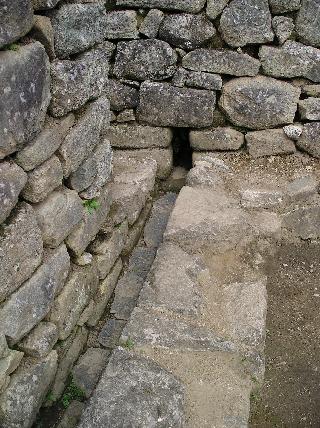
[74, 190]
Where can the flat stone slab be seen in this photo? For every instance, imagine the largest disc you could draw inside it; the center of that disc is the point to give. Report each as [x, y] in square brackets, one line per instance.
[157, 399]
[127, 136]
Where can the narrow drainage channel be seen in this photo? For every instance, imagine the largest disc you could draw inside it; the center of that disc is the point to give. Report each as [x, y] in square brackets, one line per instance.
[290, 396]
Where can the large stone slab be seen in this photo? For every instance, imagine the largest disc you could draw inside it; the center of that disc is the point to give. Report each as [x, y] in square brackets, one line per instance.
[23, 109]
[40, 340]
[186, 31]
[76, 82]
[161, 407]
[293, 59]
[16, 19]
[221, 61]
[309, 140]
[164, 105]
[121, 24]
[122, 96]
[269, 143]
[58, 215]
[192, 6]
[308, 22]
[129, 136]
[260, 102]
[216, 139]
[77, 27]
[12, 181]
[20, 249]
[33, 300]
[246, 22]
[197, 79]
[21, 401]
[145, 60]
[151, 23]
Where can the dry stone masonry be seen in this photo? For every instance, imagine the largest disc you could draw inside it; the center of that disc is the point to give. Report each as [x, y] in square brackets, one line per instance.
[104, 105]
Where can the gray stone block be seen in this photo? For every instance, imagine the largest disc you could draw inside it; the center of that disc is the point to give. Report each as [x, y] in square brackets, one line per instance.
[309, 109]
[308, 22]
[151, 23]
[121, 24]
[12, 181]
[283, 27]
[40, 340]
[16, 19]
[215, 8]
[197, 79]
[269, 143]
[44, 4]
[216, 139]
[58, 215]
[42, 31]
[309, 140]
[20, 249]
[24, 109]
[135, 136]
[122, 96]
[110, 334]
[188, 107]
[282, 6]
[192, 6]
[260, 102]
[145, 60]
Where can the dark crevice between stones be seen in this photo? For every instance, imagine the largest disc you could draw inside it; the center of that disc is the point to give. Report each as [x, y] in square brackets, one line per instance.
[182, 151]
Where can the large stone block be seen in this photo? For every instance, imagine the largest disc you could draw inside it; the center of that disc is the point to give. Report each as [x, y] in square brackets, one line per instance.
[283, 27]
[197, 79]
[151, 23]
[121, 24]
[309, 109]
[145, 60]
[215, 8]
[164, 105]
[12, 181]
[216, 139]
[221, 61]
[138, 137]
[40, 340]
[20, 249]
[16, 19]
[46, 143]
[293, 59]
[186, 31]
[122, 96]
[58, 215]
[81, 285]
[84, 136]
[308, 22]
[25, 89]
[260, 102]
[269, 143]
[85, 232]
[192, 6]
[20, 402]
[75, 82]
[43, 180]
[282, 6]
[77, 27]
[34, 298]
[309, 140]
[246, 22]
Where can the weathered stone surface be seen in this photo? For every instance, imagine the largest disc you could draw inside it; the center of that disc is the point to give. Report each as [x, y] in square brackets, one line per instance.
[87, 371]
[12, 181]
[16, 19]
[308, 22]
[245, 22]
[204, 172]
[10, 363]
[293, 131]
[188, 107]
[121, 24]
[293, 59]
[151, 23]
[281, 6]
[111, 332]
[46, 143]
[268, 197]
[40, 340]
[76, 82]
[157, 222]
[43, 180]
[176, 180]
[44, 4]
[33, 300]
[23, 109]
[283, 28]
[72, 415]
[20, 249]
[84, 136]
[68, 351]
[58, 215]
[20, 402]
[186, 31]
[309, 140]
[304, 221]
[221, 61]
[269, 143]
[4, 350]
[141, 261]
[311, 90]
[126, 116]
[108, 248]
[197, 79]
[216, 139]
[138, 136]
[215, 8]
[85, 232]
[260, 102]
[192, 6]
[122, 96]
[310, 109]
[82, 284]
[126, 295]
[85, 175]
[77, 27]
[104, 293]
[302, 188]
[42, 31]
[145, 60]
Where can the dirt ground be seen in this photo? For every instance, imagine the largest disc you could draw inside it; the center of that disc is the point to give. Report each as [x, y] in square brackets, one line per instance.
[290, 396]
